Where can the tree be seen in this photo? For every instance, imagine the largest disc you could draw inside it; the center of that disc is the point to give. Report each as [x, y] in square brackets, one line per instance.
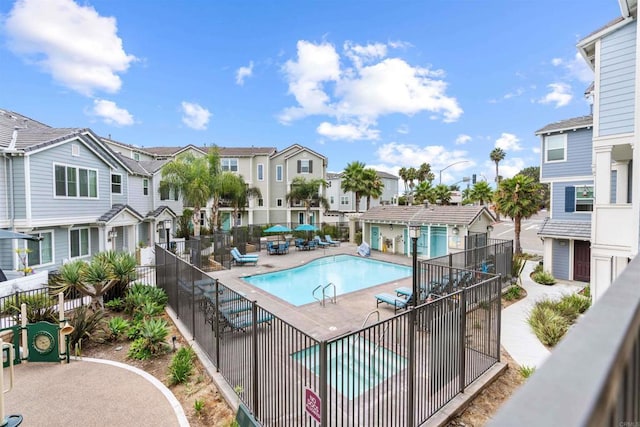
[239, 193]
[424, 173]
[424, 191]
[308, 192]
[442, 193]
[497, 155]
[353, 179]
[412, 175]
[533, 172]
[405, 177]
[519, 198]
[373, 186]
[189, 177]
[481, 192]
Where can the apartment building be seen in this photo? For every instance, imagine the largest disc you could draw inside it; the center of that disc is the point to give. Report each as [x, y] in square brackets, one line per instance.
[341, 202]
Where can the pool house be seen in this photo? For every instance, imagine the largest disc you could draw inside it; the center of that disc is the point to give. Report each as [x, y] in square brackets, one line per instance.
[443, 229]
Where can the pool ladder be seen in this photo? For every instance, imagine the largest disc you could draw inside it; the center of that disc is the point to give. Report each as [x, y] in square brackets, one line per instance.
[382, 335]
[324, 293]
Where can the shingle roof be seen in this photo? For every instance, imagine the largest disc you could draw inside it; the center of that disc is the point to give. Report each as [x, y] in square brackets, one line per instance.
[152, 166]
[566, 229]
[133, 165]
[156, 213]
[455, 215]
[332, 175]
[568, 124]
[224, 151]
[115, 210]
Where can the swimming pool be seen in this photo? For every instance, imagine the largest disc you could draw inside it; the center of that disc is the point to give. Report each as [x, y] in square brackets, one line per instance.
[348, 273]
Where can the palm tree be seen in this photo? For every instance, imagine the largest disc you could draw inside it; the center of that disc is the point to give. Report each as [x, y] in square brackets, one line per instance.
[353, 179]
[412, 175]
[308, 192]
[424, 191]
[481, 192]
[442, 193]
[189, 176]
[497, 155]
[519, 198]
[403, 174]
[373, 186]
[424, 173]
[239, 193]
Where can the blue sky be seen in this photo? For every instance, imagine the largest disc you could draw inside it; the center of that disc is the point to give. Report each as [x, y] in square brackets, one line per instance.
[387, 83]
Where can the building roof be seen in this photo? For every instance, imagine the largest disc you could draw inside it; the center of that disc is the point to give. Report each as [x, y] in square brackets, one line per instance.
[333, 175]
[156, 213]
[421, 214]
[133, 165]
[568, 124]
[115, 210]
[566, 229]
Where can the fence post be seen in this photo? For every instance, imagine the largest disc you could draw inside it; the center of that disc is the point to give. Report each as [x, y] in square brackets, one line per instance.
[412, 367]
[499, 317]
[254, 358]
[324, 376]
[463, 332]
[215, 324]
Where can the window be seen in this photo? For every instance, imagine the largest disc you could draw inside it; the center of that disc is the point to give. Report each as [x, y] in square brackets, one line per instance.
[305, 166]
[279, 173]
[344, 200]
[584, 198]
[239, 220]
[229, 165]
[116, 184]
[203, 218]
[145, 187]
[332, 200]
[164, 194]
[260, 202]
[75, 150]
[42, 250]
[75, 182]
[79, 242]
[279, 202]
[260, 172]
[555, 147]
[300, 217]
[136, 157]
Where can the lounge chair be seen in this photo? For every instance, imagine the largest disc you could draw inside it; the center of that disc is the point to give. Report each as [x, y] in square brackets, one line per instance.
[320, 243]
[243, 259]
[245, 320]
[397, 302]
[330, 240]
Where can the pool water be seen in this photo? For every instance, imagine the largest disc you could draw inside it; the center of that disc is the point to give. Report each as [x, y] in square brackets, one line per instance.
[355, 364]
[348, 273]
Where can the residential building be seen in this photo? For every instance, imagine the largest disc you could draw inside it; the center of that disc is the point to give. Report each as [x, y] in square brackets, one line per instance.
[566, 166]
[612, 52]
[341, 202]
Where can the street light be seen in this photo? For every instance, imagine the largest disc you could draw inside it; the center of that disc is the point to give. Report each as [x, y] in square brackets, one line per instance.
[414, 233]
[447, 167]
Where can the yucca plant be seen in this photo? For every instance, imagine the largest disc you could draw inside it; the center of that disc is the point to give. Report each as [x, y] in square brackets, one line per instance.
[86, 325]
[116, 304]
[123, 269]
[181, 366]
[40, 307]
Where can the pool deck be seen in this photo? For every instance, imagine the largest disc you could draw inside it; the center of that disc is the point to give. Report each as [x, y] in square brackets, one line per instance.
[321, 322]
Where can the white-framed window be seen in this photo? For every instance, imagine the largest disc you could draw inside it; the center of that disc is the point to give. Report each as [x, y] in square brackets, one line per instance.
[555, 148]
[75, 150]
[41, 250]
[136, 157]
[229, 165]
[116, 183]
[300, 217]
[279, 202]
[145, 187]
[260, 172]
[278, 172]
[584, 198]
[260, 202]
[331, 200]
[344, 200]
[70, 181]
[79, 242]
[305, 166]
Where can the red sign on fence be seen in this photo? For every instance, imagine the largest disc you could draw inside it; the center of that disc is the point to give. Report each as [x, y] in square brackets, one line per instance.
[312, 404]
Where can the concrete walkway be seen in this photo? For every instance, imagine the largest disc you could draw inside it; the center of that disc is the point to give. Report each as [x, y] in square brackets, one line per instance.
[516, 334]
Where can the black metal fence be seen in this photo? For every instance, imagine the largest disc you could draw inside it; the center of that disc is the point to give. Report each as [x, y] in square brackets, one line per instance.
[396, 372]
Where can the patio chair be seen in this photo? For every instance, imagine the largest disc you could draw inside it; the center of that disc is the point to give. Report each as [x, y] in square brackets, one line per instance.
[272, 249]
[320, 243]
[330, 240]
[397, 302]
[243, 259]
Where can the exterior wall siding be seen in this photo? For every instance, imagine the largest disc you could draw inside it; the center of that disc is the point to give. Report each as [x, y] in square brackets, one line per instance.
[560, 259]
[579, 155]
[19, 195]
[558, 205]
[4, 185]
[123, 197]
[43, 203]
[617, 80]
[137, 200]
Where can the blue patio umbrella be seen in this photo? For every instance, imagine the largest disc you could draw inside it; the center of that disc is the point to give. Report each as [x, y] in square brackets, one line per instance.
[306, 227]
[7, 234]
[277, 229]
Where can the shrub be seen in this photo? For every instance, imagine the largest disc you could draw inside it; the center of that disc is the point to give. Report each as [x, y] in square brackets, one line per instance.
[538, 268]
[526, 371]
[138, 294]
[586, 291]
[576, 302]
[548, 325]
[544, 278]
[116, 304]
[86, 324]
[514, 292]
[151, 339]
[198, 406]
[40, 307]
[181, 366]
[118, 327]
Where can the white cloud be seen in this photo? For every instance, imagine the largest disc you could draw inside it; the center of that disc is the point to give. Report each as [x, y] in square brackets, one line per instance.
[507, 168]
[536, 150]
[508, 142]
[243, 73]
[514, 94]
[560, 95]
[462, 139]
[576, 68]
[111, 113]
[349, 132]
[195, 116]
[78, 47]
[374, 86]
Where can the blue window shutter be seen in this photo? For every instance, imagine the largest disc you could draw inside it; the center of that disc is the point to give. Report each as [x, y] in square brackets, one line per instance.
[569, 199]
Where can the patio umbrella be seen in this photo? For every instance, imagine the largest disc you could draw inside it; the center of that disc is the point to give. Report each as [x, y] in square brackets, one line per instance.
[277, 229]
[306, 227]
[6, 234]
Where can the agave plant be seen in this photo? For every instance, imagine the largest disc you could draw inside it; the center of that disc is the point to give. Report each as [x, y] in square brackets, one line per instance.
[92, 279]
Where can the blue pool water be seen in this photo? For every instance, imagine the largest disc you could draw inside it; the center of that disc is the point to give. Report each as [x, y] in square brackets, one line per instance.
[355, 364]
[348, 273]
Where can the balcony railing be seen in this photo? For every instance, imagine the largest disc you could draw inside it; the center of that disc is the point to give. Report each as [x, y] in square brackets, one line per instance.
[593, 377]
[609, 220]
